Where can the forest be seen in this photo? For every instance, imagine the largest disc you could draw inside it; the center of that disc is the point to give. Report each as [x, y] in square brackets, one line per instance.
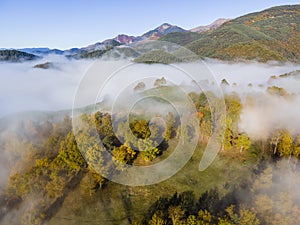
[250, 181]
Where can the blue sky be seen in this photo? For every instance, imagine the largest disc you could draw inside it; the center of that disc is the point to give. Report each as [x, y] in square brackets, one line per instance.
[64, 24]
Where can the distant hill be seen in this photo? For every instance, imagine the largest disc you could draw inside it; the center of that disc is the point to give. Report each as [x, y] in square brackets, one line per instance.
[212, 26]
[41, 51]
[157, 56]
[181, 38]
[272, 34]
[16, 56]
[46, 65]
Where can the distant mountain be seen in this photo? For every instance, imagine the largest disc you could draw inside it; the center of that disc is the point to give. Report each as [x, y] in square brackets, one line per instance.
[41, 51]
[97, 50]
[110, 43]
[73, 51]
[16, 56]
[161, 31]
[125, 39]
[272, 34]
[212, 26]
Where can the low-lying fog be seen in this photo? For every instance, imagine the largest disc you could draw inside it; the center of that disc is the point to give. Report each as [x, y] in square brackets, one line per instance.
[24, 88]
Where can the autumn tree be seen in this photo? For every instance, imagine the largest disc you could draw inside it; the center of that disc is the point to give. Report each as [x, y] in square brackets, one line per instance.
[140, 128]
[124, 154]
[285, 144]
[281, 143]
[70, 155]
[160, 82]
[170, 126]
[157, 219]
[242, 142]
[148, 149]
[176, 214]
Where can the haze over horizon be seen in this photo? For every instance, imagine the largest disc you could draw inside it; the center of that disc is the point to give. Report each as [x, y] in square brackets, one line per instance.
[63, 25]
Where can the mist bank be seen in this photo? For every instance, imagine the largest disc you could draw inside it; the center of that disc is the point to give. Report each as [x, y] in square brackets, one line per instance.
[25, 88]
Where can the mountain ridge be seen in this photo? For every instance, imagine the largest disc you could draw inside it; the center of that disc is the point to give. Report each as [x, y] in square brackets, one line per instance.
[271, 34]
[213, 25]
[16, 56]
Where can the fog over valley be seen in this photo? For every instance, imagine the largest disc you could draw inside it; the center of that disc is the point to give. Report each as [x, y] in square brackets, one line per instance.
[25, 88]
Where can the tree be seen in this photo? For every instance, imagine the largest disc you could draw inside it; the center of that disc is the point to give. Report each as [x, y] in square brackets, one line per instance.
[124, 154]
[70, 154]
[160, 82]
[170, 126]
[243, 142]
[285, 144]
[205, 217]
[274, 90]
[140, 128]
[296, 147]
[233, 108]
[89, 144]
[157, 219]
[140, 86]
[264, 181]
[248, 217]
[205, 129]
[148, 149]
[224, 82]
[224, 221]
[281, 143]
[192, 220]
[264, 205]
[228, 135]
[176, 214]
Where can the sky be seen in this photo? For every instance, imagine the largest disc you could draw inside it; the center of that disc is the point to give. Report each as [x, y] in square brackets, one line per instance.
[66, 24]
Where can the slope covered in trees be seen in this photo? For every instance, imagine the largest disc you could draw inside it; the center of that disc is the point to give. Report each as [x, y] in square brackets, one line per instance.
[272, 34]
[16, 56]
[62, 184]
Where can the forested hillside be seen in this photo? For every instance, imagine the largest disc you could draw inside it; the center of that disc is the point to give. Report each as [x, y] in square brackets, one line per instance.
[272, 34]
[50, 181]
[16, 56]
